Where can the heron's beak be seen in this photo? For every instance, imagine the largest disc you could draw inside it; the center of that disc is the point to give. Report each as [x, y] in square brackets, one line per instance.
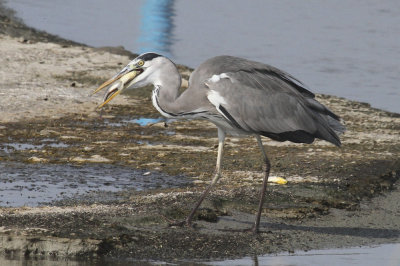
[117, 84]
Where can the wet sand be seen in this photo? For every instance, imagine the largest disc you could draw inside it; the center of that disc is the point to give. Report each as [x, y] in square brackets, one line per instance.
[334, 197]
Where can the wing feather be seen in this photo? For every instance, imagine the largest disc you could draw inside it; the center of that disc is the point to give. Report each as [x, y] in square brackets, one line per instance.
[270, 105]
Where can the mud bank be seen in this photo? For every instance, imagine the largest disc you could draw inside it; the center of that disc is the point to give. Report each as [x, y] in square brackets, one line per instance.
[333, 198]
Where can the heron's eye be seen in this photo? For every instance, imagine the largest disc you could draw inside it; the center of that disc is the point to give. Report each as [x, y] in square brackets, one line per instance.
[140, 63]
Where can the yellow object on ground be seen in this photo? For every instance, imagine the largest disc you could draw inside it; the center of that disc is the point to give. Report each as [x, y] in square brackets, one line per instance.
[277, 180]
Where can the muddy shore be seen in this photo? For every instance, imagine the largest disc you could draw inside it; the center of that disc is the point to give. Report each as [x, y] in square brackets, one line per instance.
[334, 197]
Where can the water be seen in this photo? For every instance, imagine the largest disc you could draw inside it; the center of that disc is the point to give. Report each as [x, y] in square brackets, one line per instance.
[344, 48]
[145, 121]
[36, 184]
[10, 147]
[142, 121]
[384, 255]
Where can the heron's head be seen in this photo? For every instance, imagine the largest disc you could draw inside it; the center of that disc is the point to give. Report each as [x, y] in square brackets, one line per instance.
[141, 71]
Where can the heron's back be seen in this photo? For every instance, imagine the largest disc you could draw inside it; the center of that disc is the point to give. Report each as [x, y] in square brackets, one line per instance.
[260, 99]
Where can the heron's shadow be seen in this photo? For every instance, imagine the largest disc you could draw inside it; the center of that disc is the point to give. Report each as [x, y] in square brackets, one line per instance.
[328, 230]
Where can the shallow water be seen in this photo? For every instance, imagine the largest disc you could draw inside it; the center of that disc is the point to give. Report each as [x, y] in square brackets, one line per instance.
[36, 184]
[383, 255]
[344, 48]
[144, 121]
[10, 147]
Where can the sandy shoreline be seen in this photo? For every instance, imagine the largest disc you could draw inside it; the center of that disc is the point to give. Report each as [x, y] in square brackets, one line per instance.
[41, 85]
[44, 76]
[334, 198]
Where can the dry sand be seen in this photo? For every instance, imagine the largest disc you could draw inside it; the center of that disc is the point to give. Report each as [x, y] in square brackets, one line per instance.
[37, 79]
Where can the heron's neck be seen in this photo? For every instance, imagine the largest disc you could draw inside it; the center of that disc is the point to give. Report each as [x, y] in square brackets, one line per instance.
[166, 90]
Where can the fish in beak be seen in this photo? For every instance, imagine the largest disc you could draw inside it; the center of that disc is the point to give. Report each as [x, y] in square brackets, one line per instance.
[117, 83]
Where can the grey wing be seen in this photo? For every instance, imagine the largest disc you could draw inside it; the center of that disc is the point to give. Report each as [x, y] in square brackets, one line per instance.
[270, 105]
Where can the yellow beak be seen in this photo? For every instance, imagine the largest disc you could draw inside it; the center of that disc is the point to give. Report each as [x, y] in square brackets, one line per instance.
[109, 96]
[117, 83]
[108, 82]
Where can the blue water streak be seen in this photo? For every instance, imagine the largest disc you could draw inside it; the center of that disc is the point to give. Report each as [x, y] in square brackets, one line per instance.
[156, 26]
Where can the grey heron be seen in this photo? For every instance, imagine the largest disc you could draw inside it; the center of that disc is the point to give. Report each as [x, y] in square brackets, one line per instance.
[241, 97]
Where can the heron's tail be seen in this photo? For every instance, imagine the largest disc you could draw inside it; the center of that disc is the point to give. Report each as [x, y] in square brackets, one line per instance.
[336, 125]
[330, 129]
[329, 124]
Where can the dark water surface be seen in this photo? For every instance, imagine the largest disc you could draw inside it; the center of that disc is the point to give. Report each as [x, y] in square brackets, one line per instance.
[383, 255]
[344, 48]
[36, 184]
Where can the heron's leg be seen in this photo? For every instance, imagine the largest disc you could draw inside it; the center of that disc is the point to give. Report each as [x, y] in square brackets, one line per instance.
[267, 167]
[217, 175]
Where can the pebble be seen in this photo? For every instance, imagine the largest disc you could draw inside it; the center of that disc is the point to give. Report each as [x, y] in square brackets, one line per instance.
[35, 159]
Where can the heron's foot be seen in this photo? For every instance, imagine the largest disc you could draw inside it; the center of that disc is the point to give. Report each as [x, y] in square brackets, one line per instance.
[254, 230]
